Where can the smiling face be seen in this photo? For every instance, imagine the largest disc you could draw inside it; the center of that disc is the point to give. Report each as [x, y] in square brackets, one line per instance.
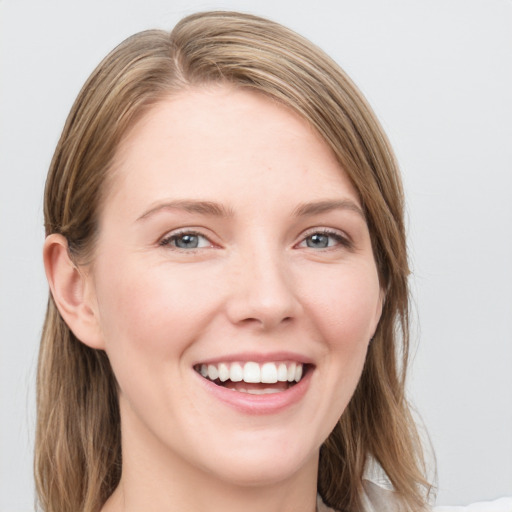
[235, 288]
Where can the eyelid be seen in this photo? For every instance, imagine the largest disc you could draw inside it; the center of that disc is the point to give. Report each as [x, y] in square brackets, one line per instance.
[166, 240]
[342, 237]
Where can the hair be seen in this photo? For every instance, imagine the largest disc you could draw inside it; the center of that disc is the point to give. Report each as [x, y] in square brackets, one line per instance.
[78, 442]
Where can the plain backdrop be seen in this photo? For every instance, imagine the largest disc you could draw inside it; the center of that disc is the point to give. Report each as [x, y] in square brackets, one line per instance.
[439, 76]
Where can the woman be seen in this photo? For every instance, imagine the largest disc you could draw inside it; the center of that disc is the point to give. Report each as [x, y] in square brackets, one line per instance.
[227, 264]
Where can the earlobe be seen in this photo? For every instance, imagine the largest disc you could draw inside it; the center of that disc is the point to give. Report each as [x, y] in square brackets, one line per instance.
[72, 291]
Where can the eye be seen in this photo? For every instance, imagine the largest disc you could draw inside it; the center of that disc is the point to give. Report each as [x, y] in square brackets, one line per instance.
[324, 239]
[186, 240]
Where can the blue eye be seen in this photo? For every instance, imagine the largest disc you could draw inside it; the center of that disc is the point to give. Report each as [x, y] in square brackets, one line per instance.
[186, 240]
[318, 241]
[324, 240]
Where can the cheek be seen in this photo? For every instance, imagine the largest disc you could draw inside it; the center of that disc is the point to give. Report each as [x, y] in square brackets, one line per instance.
[149, 311]
[345, 305]
[149, 319]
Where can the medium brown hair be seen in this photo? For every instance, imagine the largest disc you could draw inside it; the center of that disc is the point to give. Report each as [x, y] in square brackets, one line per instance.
[78, 447]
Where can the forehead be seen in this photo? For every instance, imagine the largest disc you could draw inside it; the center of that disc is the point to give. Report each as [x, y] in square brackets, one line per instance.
[218, 113]
[212, 140]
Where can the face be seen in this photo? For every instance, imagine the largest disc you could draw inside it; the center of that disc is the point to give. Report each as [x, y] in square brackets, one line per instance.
[234, 285]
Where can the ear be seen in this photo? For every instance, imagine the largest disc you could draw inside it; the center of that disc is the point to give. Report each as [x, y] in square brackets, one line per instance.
[73, 292]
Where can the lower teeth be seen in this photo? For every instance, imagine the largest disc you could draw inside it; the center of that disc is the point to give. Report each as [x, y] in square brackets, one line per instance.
[266, 391]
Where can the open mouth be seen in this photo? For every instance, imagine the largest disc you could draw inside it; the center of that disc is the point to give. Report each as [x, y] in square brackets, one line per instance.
[254, 378]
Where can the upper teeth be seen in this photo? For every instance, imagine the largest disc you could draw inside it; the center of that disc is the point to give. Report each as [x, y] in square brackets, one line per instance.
[268, 373]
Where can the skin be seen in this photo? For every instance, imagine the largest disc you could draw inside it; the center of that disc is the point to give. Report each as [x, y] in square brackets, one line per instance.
[255, 286]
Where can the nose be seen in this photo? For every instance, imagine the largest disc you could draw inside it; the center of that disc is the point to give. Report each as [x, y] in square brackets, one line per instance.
[263, 292]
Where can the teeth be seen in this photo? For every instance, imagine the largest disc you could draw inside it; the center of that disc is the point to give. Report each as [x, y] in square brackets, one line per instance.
[254, 373]
[269, 373]
[298, 373]
[291, 372]
[223, 372]
[236, 374]
[282, 373]
[264, 391]
[213, 372]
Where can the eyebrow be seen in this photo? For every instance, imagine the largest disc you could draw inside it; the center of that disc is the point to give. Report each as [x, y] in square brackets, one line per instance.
[218, 210]
[190, 206]
[317, 207]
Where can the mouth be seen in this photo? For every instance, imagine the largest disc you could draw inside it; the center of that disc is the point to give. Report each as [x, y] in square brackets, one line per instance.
[252, 377]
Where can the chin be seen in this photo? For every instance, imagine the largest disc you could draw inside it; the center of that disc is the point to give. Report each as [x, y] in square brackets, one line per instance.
[261, 466]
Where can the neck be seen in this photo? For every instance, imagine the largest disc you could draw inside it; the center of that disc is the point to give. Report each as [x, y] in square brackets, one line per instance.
[193, 490]
[156, 479]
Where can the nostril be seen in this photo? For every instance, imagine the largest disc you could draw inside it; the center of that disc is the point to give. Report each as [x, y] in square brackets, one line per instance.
[264, 297]
[265, 321]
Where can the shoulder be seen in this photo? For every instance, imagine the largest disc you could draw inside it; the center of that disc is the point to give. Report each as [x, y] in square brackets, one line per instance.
[499, 505]
[376, 497]
[379, 498]
[321, 506]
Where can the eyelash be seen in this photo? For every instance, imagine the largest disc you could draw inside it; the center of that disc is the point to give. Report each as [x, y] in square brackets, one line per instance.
[168, 240]
[340, 239]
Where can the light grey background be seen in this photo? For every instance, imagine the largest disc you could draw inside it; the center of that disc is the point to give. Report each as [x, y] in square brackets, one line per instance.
[439, 75]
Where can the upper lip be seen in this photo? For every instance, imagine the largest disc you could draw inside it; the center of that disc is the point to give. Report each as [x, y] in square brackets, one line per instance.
[257, 357]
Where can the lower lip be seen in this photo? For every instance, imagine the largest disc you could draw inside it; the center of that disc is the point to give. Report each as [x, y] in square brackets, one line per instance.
[270, 403]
